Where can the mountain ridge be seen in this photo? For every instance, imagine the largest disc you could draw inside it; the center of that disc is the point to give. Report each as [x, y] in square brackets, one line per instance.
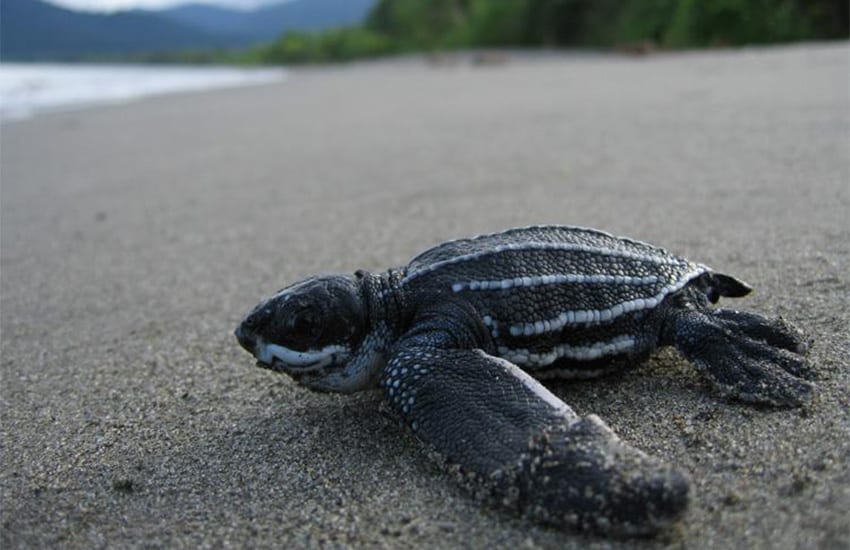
[36, 30]
[269, 21]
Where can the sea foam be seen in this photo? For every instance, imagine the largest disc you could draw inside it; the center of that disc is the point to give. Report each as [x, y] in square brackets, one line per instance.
[30, 88]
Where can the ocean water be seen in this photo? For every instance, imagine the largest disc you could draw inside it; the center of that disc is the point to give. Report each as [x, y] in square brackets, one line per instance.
[30, 88]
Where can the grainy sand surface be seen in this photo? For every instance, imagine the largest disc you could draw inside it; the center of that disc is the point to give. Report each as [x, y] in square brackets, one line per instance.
[135, 237]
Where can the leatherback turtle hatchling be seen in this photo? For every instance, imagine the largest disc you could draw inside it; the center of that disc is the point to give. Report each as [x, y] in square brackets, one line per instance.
[457, 338]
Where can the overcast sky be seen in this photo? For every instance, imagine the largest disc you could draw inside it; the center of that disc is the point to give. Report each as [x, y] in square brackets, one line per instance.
[112, 5]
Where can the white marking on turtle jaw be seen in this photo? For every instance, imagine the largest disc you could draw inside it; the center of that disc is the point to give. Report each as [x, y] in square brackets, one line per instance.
[312, 359]
[362, 369]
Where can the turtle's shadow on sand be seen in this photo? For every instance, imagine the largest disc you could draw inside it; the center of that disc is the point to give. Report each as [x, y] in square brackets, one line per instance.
[316, 452]
[295, 457]
[337, 443]
[300, 462]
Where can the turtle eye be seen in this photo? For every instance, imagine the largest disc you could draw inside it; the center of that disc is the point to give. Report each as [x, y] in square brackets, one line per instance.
[304, 324]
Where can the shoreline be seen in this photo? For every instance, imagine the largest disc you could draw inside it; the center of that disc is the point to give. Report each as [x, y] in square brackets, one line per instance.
[30, 89]
[236, 76]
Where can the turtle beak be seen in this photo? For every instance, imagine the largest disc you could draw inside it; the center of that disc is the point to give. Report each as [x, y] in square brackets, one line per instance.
[252, 325]
[246, 339]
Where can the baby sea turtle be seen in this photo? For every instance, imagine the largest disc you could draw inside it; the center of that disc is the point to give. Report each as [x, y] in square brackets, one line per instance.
[457, 338]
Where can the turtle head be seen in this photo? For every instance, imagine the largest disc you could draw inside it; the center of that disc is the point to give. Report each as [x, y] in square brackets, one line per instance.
[312, 331]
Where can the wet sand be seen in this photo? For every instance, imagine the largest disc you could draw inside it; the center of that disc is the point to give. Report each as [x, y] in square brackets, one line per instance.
[134, 237]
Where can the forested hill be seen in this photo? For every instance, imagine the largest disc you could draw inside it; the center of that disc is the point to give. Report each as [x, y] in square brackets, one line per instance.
[31, 29]
[673, 23]
[270, 21]
[399, 26]
[337, 30]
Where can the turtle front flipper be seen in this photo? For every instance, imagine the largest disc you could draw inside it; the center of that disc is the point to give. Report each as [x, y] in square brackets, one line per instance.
[743, 355]
[525, 449]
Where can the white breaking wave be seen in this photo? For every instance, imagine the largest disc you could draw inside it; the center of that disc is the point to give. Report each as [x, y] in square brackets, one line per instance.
[29, 88]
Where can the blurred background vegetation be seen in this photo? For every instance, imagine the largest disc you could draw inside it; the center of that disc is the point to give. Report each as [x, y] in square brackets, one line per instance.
[402, 26]
[309, 31]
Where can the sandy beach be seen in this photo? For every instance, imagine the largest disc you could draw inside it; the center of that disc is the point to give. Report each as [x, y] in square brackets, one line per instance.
[134, 237]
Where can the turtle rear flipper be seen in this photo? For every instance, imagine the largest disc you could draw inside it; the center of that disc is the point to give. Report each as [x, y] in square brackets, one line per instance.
[744, 355]
[524, 448]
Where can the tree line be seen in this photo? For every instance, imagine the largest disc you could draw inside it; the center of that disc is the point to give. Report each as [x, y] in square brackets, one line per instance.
[403, 26]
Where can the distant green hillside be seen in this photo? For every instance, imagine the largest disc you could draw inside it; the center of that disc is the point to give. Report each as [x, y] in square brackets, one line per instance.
[328, 30]
[271, 21]
[415, 25]
[31, 29]
[674, 23]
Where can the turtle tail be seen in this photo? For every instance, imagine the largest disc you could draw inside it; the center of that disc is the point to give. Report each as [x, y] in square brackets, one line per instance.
[716, 285]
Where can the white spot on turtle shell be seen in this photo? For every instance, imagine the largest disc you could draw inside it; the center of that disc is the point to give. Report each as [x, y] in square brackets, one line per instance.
[578, 278]
[577, 317]
[617, 345]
